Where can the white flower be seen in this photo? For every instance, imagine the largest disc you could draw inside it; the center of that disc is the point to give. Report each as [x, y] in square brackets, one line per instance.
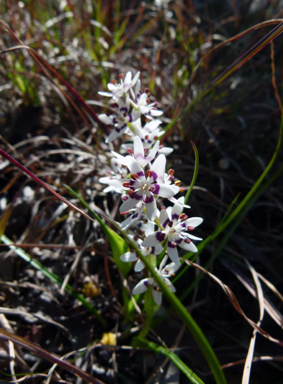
[142, 187]
[119, 121]
[164, 273]
[119, 89]
[114, 180]
[146, 251]
[139, 153]
[175, 224]
[140, 100]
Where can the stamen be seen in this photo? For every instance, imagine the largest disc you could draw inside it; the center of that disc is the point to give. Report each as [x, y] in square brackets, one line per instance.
[134, 176]
[187, 241]
[126, 184]
[149, 173]
[130, 151]
[183, 216]
[190, 228]
[124, 213]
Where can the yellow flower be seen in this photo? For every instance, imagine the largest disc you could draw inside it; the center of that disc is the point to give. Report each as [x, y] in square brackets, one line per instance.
[108, 339]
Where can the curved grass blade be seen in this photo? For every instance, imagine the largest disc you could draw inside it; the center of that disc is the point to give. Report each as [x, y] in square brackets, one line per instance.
[235, 303]
[50, 356]
[172, 356]
[241, 209]
[53, 277]
[232, 68]
[195, 173]
[38, 59]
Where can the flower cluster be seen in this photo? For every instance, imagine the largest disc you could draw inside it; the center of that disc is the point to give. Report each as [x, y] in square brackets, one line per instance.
[139, 175]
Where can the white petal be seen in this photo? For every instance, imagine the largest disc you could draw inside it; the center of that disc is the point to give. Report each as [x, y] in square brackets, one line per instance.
[138, 147]
[165, 150]
[135, 79]
[194, 221]
[172, 288]
[148, 228]
[188, 247]
[128, 78]
[152, 125]
[129, 257]
[192, 237]
[141, 287]
[157, 249]
[127, 223]
[162, 264]
[134, 166]
[163, 216]
[159, 166]
[139, 266]
[151, 240]
[107, 94]
[171, 268]
[167, 190]
[128, 204]
[177, 210]
[151, 210]
[119, 157]
[105, 119]
[157, 296]
[113, 135]
[173, 254]
[155, 112]
[153, 152]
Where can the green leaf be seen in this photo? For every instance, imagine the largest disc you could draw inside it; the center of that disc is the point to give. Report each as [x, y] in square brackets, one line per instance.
[172, 356]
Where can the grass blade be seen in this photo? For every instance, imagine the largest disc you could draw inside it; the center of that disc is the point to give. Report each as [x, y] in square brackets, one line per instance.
[53, 277]
[173, 357]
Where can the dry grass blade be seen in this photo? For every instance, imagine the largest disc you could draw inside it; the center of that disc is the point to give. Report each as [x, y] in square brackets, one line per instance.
[4, 335]
[234, 302]
[269, 307]
[271, 286]
[38, 60]
[30, 174]
[249, 358]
